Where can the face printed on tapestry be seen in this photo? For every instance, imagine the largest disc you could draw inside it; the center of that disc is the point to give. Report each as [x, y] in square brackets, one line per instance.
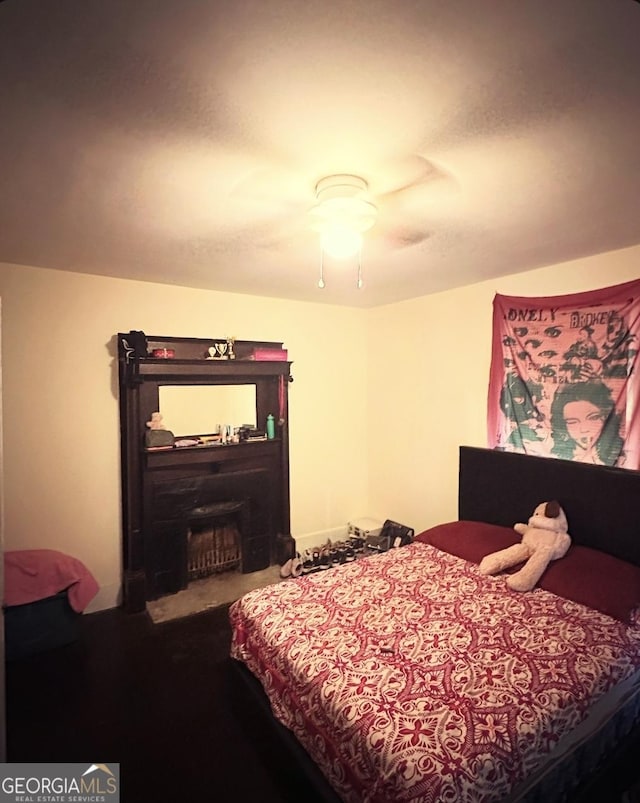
[584, 422]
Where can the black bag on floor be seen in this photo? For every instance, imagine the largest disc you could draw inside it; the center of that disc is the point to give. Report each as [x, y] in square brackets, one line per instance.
[391, 535]
[285, 548]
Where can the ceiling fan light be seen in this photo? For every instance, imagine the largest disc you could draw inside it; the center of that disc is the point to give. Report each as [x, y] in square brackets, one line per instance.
[353, 213]
[341, 242]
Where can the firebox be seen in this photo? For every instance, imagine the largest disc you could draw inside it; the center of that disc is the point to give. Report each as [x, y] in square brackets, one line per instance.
[207, 524]
[214, 538]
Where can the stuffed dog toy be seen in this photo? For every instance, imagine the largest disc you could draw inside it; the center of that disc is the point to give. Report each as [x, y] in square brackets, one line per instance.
[544, 538]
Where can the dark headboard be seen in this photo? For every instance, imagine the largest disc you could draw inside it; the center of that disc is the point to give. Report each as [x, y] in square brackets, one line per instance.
[602, 504]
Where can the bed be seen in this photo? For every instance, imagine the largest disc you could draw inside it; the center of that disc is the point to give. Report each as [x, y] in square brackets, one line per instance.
[409, 676]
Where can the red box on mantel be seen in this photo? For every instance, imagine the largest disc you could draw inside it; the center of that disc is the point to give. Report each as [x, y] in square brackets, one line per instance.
[267, 355]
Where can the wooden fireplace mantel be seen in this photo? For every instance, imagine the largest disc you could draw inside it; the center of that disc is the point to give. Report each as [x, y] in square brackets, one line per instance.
[153, 534]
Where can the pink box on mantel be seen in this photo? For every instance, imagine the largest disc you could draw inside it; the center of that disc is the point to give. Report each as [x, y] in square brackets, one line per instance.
[267, 355]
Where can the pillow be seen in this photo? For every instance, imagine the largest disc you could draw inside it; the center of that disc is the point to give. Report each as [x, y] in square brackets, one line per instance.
[471, 540]
[595, 579]
[584, 575]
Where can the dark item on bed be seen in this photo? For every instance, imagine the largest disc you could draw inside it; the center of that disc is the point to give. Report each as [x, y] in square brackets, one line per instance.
[39, 626]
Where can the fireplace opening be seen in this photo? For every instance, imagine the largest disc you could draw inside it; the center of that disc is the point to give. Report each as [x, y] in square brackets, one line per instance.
[214, 538]
[207, 525]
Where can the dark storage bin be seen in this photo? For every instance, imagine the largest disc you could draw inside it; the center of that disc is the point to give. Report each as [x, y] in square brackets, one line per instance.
[256, 554]
[39, 626]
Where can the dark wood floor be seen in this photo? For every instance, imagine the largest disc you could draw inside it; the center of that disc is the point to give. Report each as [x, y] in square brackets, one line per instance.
[153, 698]
[157, 699]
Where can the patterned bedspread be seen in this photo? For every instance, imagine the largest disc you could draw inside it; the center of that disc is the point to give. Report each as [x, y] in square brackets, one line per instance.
[408, 676]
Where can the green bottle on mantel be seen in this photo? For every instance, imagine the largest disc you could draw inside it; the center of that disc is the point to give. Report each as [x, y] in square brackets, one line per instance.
[271, 427]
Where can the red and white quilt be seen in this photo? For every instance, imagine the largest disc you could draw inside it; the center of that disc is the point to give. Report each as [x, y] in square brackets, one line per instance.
[408, 676]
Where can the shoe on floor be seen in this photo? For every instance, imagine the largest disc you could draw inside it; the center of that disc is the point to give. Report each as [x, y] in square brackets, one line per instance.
[296, 565]
[325, 558]
[307, 562]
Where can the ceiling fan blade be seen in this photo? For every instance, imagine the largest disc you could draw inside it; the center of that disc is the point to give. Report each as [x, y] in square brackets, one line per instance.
[404, 238]
[386, 237]
[395, 175]
[423, 208]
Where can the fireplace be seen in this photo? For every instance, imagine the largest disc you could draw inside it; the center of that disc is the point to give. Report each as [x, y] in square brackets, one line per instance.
[207, 524]
[166, 544]
[214, 539]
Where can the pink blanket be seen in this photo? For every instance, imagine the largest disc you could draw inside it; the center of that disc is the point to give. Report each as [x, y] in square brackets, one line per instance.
[34, 574]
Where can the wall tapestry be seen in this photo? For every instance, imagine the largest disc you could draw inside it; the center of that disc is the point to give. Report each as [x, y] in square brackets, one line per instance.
[564, 380]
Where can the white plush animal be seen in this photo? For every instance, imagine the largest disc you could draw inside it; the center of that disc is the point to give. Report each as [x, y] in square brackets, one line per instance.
[544, 538]
[156, 421]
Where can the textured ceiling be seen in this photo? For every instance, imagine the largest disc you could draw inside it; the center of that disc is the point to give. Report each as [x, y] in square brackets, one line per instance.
[180, 141]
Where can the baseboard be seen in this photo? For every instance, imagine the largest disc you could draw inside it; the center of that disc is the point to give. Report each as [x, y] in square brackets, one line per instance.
[107, 597]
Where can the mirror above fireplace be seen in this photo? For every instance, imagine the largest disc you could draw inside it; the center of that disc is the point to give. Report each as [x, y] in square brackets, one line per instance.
[199, 409]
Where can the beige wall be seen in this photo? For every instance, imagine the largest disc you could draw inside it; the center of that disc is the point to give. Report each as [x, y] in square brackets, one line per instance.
[61, 427]
[428, 368]
[381, 400]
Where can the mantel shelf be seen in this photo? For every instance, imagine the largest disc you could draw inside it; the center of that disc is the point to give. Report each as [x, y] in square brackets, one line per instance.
[172, 369]
[191, 455]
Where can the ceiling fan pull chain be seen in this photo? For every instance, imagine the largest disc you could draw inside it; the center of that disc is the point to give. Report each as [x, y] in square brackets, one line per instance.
[321, 281]
[360, 282]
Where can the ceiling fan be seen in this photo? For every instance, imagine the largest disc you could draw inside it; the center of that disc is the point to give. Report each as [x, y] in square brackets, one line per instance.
[367, 213]
[390, 206]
